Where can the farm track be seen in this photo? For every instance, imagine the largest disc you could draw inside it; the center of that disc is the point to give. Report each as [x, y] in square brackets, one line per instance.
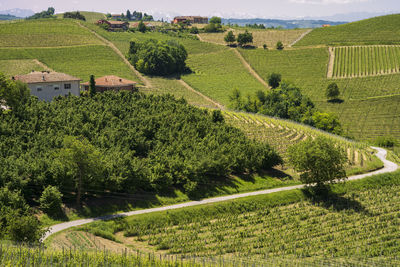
[250, 69]
[382, 153]
[187, 86]
[300, 37]
[43, 65]
[331, 62]
[116, 50]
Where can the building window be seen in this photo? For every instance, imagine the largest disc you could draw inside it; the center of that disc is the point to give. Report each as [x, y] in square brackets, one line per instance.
[67, 86]
[56, 88]
[39, 89]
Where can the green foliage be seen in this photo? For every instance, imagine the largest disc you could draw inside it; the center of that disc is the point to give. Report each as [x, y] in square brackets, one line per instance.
[332, 91]
[265, 46]
[279, 45]
[217, 116]
[17, 222]
[245, 38]
[44, 14]
[121, 142]
[51, 201]
[213, 27]
[158, 57]
[319, 161]
[14, 94]
[194, 30]
[386, 141]
[215, 20]
[378, 30]
[274, 80]
[74, 15]
[327, 122]
[230, 37]
[92, 86]
[142, 27]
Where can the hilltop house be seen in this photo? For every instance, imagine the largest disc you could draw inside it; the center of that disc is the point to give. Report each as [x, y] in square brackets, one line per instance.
[111, 82]
[114, 25]
[191, 19]
[47, 85]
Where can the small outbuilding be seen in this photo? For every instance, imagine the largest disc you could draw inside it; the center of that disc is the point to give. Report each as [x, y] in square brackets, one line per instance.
[113, 83]
[46, 85]
[191, 20]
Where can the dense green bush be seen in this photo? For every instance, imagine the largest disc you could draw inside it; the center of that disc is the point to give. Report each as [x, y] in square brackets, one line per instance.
[50, 201]
[158, 57]
[386, 141]
[74, 15]
[143, 143]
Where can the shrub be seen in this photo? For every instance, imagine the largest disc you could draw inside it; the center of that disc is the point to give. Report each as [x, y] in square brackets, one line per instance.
[245, 38]
[230, 38]
[158, 57]
[74, 15]
[274, 80]
[332, 91]
[279, 45]
[194, 30]
[385, 141]
[50, 201]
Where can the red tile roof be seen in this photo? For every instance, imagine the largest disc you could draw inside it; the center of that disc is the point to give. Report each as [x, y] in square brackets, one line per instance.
[44, 77]
[112, 81]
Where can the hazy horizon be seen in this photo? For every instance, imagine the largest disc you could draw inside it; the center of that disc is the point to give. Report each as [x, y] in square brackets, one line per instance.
[289, 9]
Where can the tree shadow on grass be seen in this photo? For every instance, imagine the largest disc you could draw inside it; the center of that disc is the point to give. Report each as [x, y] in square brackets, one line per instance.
[325, 197]
[336, 101]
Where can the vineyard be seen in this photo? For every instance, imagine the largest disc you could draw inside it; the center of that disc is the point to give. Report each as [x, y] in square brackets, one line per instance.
[356, 220]
[14, 67]
[45, 33]
[374, 31]
[260, 37]
[360, 61]
[281, 134]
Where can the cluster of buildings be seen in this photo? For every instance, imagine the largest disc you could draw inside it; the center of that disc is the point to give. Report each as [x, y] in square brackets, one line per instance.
[46, 85]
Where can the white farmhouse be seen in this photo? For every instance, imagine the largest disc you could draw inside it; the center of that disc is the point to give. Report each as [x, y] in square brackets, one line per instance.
[47, 85]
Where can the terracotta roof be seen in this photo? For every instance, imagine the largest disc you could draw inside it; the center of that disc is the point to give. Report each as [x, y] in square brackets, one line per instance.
[44, 77]
[112, 81]
[190, 17]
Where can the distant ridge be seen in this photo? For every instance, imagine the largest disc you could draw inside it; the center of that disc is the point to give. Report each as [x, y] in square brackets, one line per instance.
[286, 24]
[18, 12]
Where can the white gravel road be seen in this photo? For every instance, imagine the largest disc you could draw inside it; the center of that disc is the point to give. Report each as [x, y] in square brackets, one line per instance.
[388, 167]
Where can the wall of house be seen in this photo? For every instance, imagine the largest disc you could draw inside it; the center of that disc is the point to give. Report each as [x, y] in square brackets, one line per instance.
[47, 91]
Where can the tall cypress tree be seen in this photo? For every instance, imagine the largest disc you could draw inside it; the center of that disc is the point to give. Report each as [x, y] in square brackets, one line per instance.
[92, 86]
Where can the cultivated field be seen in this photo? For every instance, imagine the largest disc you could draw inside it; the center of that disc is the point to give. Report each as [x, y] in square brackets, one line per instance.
[79, 61]
[356, 220]
[260, 37]
[14, 67]
[45, 33]
[359, 61]
[379, 30]
[281, 134]
[217, 74]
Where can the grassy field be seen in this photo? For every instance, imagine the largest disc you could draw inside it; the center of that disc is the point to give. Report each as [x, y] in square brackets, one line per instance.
[281, 134]
[379, 30]
[260, 37]
[355, 220]
[45, 33]
[14, 67]
[369, 107]
[217, 74]
[80, 61]
[359, 61]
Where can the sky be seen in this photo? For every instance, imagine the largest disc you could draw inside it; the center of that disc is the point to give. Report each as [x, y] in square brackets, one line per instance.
[224, 8]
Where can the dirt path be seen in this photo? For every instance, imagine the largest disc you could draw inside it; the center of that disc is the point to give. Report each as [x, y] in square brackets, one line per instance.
[382, 153]
[300, 37]
[44, 66]
[331, 62]
[250, 69]
[187, 86]
[116, 50]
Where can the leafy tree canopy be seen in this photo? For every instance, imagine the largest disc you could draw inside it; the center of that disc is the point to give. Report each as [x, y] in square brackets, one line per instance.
[332, 91]
[158, 57]
[44, 14]
[245, 38]
[74, 15]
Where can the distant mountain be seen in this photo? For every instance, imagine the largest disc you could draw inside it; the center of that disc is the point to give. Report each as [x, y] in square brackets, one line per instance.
[8, 17]
[286, 24]
[21, 13]
[354, 16]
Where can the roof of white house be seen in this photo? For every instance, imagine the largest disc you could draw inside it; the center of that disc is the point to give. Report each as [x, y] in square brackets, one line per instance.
[45, 77]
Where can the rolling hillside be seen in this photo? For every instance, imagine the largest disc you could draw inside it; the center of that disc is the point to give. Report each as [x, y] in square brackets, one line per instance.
[378, 30]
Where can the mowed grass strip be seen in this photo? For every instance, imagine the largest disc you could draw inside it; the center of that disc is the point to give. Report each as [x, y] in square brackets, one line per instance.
[45, 33]
[378, 30]
[218, 74]
[260, 37]
[80, 61]
[383, 60]
[15, 66]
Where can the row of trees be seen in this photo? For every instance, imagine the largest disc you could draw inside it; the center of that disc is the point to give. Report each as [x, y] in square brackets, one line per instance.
[49, 13]
[244, 39]
[134, 16]
[287, 102]
[74, 15]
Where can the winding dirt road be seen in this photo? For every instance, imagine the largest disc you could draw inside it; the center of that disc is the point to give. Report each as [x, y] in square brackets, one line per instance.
[388, 167]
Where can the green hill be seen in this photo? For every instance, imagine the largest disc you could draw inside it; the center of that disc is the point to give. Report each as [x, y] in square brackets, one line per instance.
[378, 30]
